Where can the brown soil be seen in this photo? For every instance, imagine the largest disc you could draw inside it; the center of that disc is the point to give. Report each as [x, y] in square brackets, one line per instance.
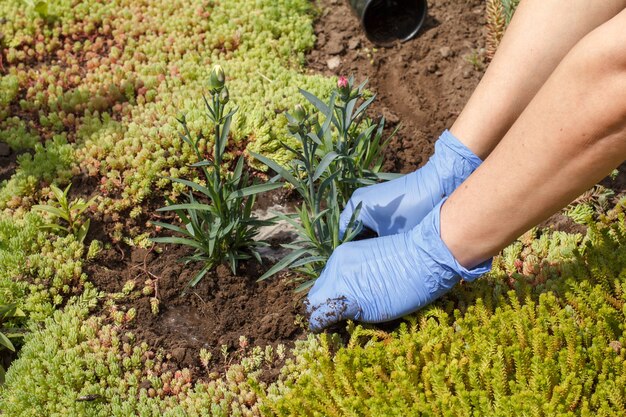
[422, 84]
[217, 311]
[8, 164]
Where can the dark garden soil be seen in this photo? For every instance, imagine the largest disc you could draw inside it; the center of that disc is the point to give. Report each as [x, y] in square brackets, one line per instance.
[8, 161]
[422, 83]
[217, 311]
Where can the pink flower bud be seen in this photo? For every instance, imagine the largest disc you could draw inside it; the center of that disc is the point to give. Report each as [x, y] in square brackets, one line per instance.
[342, 82]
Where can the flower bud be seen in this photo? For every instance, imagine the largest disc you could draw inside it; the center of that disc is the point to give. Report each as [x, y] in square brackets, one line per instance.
[217, 78]
[293, 128]
[342, 82]
[299, 113]
[224, 96]
[343, 85]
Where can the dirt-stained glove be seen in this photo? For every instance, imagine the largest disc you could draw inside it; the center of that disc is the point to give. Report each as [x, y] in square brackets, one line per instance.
[399, 205]
[385, 278]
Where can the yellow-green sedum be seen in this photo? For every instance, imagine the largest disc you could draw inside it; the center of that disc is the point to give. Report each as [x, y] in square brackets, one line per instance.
[111, 77]
[553, 346]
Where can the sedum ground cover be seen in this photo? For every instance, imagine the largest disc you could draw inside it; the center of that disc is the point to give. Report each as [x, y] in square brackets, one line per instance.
[90, 89]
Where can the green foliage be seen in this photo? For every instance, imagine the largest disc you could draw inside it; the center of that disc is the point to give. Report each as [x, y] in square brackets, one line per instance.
[38, 271]
[77, 365]
[38, 6]
[71, 213]
[339, 149]
[223, 228]
[509, 8]
[554, 350]
[49, 163]
[100, 73]
[9, 86]
[590, 204]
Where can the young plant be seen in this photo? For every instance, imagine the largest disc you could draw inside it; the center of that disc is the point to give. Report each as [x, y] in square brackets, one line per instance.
[332, 160]
[8, 312]
[217, 218]
[355, 138]
[67, 217]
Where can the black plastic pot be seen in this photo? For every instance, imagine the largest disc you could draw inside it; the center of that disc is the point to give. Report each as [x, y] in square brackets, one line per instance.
[388, 21]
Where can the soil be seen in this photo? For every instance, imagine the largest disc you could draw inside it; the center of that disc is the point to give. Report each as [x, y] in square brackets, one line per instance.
[8, 161]
[422, 84]
[217, 311]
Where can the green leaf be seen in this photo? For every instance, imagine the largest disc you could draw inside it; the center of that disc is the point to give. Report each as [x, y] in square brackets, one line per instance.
[187, 206]
[82, 231]
[177, 241]
[224, 134]
[305, 285]
[254, 189]
[324, 163]
[198, 277]
[364, 106]
[388, 176]
[309, 260]
[4, 341]
[203, 164]
[284, 263]
[170, 226]
[319, 104]
[50, 209]
[277, 168]
[192, 185]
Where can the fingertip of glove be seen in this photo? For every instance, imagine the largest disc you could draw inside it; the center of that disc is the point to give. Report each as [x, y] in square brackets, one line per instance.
[330, 312]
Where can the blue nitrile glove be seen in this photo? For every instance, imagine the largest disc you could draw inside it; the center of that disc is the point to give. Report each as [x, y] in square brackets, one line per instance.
[399, 205]
[385, 278]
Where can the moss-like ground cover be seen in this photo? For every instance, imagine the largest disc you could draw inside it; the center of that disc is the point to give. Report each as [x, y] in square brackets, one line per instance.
[90, 89]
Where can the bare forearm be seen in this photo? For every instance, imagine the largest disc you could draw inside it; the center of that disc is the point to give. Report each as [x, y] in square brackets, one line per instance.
[571, 135]
[540, 35]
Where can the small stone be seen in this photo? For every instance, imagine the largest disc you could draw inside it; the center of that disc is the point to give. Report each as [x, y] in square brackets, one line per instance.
[4, 149]
[445, 51]
[333, 63]
[354, 43]
[432, 68]
[467, 73]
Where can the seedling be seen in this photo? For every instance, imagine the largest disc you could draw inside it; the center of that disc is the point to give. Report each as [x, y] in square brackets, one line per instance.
[333, 159]
[217, 218]
[67, 216]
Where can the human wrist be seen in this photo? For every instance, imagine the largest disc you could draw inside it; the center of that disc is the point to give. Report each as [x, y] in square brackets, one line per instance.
[451, 250]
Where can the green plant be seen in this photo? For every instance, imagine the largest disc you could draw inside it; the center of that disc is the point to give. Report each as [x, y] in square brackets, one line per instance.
[219, 225]
[7, 333]
[334, 158]
[505, 345]
[39, 6]
[69, 213]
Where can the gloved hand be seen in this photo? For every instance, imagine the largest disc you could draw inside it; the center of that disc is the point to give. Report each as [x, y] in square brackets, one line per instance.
[385, 278]
[399, 205]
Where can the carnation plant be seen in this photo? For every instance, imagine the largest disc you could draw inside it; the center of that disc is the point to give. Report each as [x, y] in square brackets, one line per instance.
[339, 149]
[217, 220]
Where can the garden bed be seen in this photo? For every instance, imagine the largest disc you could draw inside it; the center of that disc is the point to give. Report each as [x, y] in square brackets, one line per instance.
[223, 307]
[148, 345]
